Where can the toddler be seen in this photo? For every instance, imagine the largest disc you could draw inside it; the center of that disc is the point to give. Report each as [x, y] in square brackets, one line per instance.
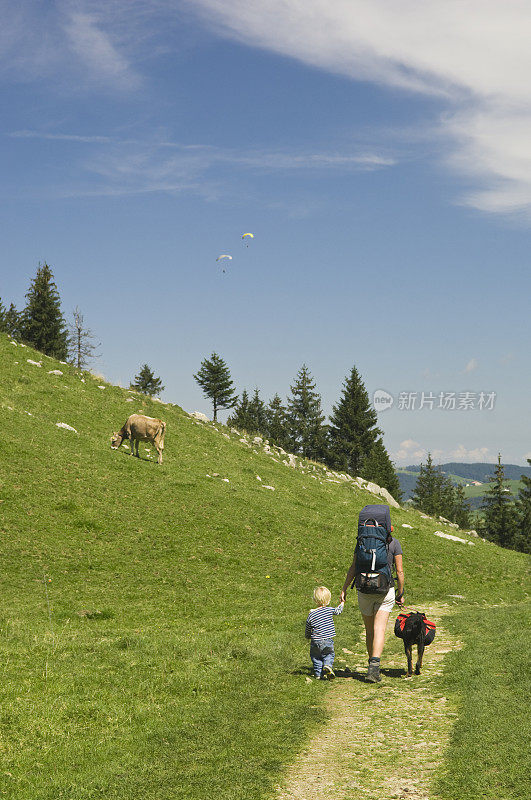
[320, 630]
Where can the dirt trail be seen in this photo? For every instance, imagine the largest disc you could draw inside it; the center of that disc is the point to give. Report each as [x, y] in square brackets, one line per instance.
[381, 741]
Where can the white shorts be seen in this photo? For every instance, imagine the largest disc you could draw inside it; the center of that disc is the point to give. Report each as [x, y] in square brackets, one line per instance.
[371, 603]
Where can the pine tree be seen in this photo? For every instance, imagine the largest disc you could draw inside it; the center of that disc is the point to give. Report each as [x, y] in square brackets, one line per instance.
[522, 539]
[80, 347]
[42, 323]
[427, 494]
[241, 418]
[214, 379]
[277, 423]
[305, 418]
[446, 497]
[12, 322]
[379, 468]
[353, 432]
[147, 383]
[500, 522]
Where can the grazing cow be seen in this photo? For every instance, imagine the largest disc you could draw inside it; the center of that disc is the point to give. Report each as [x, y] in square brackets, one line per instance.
[139, 428]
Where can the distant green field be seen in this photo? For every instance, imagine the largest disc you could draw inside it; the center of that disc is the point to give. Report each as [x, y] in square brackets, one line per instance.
[151, 622]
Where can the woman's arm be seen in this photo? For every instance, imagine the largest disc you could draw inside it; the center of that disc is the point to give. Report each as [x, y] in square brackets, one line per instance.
[400, 579]
[348, 580]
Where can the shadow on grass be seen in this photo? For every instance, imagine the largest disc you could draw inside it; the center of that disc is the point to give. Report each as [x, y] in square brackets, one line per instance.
[393, 673]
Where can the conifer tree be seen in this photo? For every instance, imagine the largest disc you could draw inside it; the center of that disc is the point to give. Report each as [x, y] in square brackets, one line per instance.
[3, 312]
[214, 379]
[80, 347]
[12, 322]
[500, 521]
[305, 418]
[426, 496]
[461, 512]
[353, 432]
[257, 413]
[522, 540]
[379, 468]
[42, 323]
[241, 417]
[147, 383]
[277, 423]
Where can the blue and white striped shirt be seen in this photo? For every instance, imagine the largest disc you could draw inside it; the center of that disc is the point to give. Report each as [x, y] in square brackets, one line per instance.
[320, 622]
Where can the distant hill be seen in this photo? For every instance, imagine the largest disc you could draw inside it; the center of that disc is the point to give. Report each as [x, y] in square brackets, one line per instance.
[464, 473]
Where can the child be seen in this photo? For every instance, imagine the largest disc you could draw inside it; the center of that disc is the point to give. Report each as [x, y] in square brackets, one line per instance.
[320, 630]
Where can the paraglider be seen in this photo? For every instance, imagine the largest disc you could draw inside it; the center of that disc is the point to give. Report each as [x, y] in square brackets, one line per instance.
[245, 239]
[222, 259]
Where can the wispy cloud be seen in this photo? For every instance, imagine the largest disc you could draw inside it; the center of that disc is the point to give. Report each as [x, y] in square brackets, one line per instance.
[473, 55]
[476, 454]
[471, 366]
[115, 165]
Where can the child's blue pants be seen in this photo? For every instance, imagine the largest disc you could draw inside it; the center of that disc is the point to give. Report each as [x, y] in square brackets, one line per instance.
[322, 654]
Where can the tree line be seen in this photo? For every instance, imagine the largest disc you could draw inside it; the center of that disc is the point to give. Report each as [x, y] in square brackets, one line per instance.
[502, 521]
[349, 442]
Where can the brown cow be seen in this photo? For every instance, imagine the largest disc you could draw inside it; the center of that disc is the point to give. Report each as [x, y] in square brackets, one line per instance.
[139, 428]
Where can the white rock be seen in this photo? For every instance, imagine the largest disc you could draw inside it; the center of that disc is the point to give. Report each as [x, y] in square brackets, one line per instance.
[373, 488]
[13, 343]
[55, 372]
[268, 487]
[21, 345]
[473, 533]
[405, 525]
[199, 416]
[15, 362]
[82, 380]
[234, 430]
[208, 476]
[65, 426]
[257, 440]
[35, 363]
[267, 449]
[129, 399]
[453, 525]
[443, 519]
[226, 480]
[226, 436]
[424, 516]
[258, 478]
[292, 460]
[62, 362]
[459, 596]
[101, 387]
[452, 538]
[28, 413]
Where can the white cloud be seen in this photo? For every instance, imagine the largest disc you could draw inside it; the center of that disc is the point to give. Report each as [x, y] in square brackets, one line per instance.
[116, 166]
[527, 456]
[409, 450]
[471, 366]
[477, 454]
[475, 54]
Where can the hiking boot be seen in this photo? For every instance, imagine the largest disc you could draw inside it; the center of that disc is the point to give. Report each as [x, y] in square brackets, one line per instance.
[328, 673]
[373, 673]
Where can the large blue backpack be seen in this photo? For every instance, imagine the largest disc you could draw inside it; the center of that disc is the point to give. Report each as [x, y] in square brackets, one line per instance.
[373, 575]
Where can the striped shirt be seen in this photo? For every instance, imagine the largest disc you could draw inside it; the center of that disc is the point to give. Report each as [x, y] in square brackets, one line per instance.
[320, 622]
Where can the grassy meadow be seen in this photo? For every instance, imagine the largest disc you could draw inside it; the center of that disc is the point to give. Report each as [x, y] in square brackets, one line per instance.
[151, 617]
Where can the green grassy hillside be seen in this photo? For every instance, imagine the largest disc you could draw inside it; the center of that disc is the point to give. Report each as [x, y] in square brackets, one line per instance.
[151, 616]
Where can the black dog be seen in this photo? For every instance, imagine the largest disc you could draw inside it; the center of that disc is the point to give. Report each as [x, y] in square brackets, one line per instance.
[414, 628]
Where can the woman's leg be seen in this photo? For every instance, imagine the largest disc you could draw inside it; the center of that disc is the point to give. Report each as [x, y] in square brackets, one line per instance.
[368, 621]
[379, 626]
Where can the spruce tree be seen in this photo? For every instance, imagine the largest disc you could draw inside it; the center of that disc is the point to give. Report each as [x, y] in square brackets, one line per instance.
[3, 312]
[305, 418]
[522, 539]
[257, 413]
[80, 347]
[147, 383]
[353, 432]
[499, 515]
[214, 379]
[461, 513]
[12, 322]
[379, 468]
[241, 418]
[427, 493]
[42, 323]
[277, 423]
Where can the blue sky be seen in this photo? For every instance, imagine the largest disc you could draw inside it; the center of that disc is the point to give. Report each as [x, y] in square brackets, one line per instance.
[379, 152]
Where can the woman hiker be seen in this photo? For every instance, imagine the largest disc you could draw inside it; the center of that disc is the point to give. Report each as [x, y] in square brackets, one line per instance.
[376, 607]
